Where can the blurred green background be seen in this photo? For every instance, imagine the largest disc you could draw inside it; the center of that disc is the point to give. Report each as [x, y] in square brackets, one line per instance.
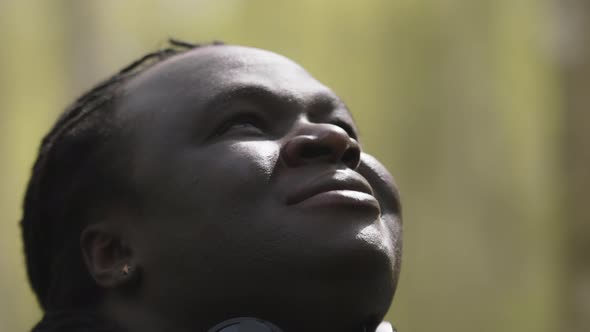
[480, 108]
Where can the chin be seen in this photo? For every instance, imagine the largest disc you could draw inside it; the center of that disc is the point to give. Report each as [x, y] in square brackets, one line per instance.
[341, 285]
[353, 252]
[329, 275]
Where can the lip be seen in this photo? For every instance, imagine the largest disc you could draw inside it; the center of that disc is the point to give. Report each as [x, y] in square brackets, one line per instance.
[339, 187]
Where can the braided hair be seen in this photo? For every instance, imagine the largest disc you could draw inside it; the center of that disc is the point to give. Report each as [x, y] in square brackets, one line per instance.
[75, 173]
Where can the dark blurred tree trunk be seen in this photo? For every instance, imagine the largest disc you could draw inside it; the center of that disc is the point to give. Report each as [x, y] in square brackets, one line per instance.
[572, 45]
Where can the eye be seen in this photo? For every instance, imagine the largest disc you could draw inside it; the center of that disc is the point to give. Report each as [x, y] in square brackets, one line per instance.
[242, 123]
[347, 127]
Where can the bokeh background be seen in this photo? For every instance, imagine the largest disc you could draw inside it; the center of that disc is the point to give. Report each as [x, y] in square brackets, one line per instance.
[480, 108]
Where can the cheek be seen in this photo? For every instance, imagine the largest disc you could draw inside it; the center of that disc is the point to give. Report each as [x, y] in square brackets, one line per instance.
[214, 194]
[254, 158]
[198, 180]
[237, 173]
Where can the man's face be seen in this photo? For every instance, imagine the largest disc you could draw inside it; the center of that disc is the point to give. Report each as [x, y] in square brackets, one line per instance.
[254, 190]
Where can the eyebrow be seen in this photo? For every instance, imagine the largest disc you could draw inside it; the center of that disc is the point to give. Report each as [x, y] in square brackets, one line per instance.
[322, 103]
[252, 92]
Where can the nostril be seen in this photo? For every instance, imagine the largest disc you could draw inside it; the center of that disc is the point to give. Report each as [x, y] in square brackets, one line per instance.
[313, 152]
[350, 156]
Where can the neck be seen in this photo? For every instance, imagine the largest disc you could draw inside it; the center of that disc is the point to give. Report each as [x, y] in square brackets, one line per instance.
[89, 321]
[290, 308]
[137, 319]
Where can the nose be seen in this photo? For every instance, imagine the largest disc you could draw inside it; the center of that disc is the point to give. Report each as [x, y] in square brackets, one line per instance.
[321, 143]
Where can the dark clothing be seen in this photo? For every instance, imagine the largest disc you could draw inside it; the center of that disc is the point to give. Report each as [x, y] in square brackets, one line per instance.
[73, 321]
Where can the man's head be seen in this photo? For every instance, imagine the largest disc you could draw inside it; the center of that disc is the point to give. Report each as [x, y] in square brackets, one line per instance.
[232, 182]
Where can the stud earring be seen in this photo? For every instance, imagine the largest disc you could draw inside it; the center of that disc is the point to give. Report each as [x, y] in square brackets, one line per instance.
[126, 270]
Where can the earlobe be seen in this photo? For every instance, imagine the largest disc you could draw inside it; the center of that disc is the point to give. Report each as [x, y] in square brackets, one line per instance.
[108, 258]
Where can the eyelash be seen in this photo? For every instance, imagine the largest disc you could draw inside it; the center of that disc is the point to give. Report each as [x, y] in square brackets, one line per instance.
[257, 122]
[239, 119]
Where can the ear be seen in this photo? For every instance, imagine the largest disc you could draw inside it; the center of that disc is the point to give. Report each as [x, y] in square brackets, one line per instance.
[108, 258]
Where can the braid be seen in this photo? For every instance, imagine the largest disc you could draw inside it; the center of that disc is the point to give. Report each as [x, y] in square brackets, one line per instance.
[66, 150]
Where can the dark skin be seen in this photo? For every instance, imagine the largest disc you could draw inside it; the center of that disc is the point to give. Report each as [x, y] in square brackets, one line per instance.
[255, 200]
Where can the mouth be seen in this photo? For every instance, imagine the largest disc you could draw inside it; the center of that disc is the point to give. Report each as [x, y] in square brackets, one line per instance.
[335, 188]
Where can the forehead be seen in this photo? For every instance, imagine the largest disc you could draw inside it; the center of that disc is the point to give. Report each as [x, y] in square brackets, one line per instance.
[203, 72]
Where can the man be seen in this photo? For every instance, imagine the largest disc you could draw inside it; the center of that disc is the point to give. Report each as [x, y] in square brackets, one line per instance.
[203, 184]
